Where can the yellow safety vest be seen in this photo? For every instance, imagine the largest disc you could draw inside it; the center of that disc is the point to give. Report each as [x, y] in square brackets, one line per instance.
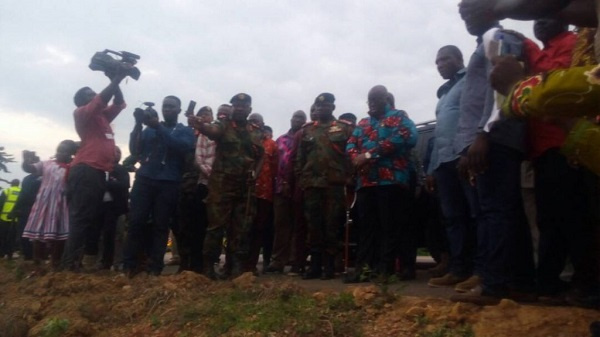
[12, 194]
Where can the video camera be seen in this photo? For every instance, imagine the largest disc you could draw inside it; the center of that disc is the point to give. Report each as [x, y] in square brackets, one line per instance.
[102, 61]
[145, 114]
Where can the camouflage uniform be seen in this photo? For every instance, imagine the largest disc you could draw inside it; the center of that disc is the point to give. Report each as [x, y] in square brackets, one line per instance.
[323, 167]
[231, 202]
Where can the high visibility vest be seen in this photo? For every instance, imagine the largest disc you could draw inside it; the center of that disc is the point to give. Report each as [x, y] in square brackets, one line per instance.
[12, 194]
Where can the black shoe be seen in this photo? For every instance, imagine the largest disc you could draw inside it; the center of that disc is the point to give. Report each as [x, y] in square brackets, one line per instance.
[312, 275]
[314, 272]
[328, 267]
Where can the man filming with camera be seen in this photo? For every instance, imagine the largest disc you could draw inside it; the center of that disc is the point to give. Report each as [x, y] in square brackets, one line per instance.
[86, 182]
[161, 149]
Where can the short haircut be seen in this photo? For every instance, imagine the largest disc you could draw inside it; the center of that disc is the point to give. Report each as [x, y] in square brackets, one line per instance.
[71, 145]
[348, 116]
[453, 50]
[79, 98]
[175, 98]
[268, 128]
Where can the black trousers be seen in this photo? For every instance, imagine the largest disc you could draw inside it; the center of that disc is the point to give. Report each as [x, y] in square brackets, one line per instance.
[563, 220]
[85, 190]
[384, 228]
[8, 235]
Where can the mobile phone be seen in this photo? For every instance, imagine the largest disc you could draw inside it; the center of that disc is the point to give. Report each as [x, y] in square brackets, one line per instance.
[190, 108]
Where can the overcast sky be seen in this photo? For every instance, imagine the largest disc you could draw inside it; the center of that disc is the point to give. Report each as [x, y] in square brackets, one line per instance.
[283, 53]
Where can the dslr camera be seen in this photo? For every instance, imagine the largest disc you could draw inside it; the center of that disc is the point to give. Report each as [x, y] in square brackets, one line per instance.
[103, 61]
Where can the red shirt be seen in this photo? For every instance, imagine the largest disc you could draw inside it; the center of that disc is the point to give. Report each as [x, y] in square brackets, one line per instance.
[266, 178]
[92, 123]
[555, 55]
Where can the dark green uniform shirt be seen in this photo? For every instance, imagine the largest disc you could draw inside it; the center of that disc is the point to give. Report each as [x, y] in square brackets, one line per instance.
[321, 159]
[239, 149]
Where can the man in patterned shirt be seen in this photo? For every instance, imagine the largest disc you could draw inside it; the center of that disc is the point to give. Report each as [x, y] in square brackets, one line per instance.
[379, 149]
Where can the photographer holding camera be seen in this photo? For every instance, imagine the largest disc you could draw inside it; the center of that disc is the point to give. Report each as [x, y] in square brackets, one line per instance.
[86, 180]
[161, 149]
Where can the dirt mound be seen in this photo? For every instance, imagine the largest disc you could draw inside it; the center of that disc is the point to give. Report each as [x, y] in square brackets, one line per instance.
[188, 304]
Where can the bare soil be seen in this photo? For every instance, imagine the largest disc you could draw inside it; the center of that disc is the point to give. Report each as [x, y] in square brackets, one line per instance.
[188, 304]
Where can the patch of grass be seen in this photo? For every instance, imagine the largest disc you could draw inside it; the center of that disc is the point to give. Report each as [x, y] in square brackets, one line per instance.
[423, 252]
[269, 311]
[19, 273]
[341, 302]
[155, 321]
[55, 327]
[445, 331]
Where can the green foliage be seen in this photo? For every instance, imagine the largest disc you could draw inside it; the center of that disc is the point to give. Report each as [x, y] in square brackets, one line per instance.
[445, 331]
[55, 327]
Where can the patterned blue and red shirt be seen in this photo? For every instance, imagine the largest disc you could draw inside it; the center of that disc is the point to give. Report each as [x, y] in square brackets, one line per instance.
[389, 140]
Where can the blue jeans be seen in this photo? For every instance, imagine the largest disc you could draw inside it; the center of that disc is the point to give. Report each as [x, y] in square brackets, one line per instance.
[504, 230]
[460, 208]
[150, 200]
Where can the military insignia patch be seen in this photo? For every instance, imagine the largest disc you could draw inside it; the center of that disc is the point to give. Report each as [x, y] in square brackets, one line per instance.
[321, 98]
[241, 96]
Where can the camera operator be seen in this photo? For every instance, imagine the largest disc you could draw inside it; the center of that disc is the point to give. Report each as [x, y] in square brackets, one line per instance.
[161, 148]
[86, 180]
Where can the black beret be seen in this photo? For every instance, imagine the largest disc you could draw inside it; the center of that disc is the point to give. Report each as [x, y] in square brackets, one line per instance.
[241, 98]
[325, 97]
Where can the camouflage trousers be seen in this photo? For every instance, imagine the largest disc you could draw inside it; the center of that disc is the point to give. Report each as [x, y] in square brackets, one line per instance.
[324, 211]
[231, 208]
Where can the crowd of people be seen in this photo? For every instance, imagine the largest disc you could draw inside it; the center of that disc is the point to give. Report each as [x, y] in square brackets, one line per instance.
[226, 186]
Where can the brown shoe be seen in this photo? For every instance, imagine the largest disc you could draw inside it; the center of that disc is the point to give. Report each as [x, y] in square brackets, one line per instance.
[447, 280]
[468, 285]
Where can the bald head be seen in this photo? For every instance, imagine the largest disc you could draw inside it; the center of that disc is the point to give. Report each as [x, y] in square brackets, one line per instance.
[298, 119]
[377, 100]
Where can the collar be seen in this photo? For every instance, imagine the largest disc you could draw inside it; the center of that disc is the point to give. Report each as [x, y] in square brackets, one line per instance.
[444, 88]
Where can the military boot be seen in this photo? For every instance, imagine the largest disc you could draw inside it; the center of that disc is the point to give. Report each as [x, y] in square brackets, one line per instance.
[208, 268]
[328, 267]
[239, 264]
[314, 270]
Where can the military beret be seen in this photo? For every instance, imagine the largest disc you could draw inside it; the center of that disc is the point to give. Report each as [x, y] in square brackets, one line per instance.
[325, 98]
[241, 98]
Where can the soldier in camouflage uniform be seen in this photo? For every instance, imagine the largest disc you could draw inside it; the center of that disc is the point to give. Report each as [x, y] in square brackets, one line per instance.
[323, 167]
[231, 203]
